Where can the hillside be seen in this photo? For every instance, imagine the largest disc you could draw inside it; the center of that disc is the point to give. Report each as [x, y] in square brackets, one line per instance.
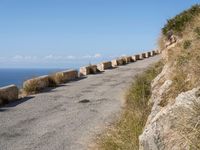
[174, 121]
[162, 109]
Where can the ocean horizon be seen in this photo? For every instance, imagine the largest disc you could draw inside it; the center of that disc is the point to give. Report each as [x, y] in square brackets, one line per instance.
[18, 75]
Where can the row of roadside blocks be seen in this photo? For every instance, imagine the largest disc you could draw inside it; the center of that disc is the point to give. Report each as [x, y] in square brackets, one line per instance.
[11, 93]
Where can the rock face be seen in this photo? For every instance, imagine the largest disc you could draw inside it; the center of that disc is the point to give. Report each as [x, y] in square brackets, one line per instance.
[8, 94]
[164, 129]
[174, 121]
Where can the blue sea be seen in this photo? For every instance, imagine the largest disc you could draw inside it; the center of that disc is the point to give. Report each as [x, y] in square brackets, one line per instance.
[18, 76]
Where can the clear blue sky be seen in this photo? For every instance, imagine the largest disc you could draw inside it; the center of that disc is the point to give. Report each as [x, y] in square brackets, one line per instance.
[67, 33]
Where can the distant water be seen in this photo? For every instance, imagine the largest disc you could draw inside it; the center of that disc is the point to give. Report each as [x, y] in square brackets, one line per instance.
[18, 76]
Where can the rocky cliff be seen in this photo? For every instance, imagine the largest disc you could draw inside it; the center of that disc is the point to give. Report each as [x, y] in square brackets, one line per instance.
[174, 122]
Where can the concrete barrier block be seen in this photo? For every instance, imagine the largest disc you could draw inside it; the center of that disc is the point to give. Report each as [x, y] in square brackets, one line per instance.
[92, 69]
[147, 54]
[114, 63]
[104, 65]
[157, 52]
[152, 53]
[64, 76]
[36, 84]
[127, 59]
[142, 56]
[136, 57]
[84, 71]
[118, 62]
[133, 58]
[121, 61]
[8, 94]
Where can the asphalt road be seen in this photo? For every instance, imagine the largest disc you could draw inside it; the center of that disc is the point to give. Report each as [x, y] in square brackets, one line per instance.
[67, 117]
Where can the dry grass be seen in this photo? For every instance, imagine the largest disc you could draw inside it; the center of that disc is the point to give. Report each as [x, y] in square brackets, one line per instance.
[56, 79]
[161, 42]
[123, 135]
[32, 87]
[53, 82]
[188, 126]
[194, 127]
[184, 59]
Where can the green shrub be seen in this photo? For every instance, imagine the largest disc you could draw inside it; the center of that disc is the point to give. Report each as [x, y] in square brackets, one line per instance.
[182, 60]
[179, 22]
[197, 31]
[124, 134]
[187, 44]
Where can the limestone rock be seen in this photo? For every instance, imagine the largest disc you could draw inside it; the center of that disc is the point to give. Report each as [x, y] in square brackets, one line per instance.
[164, 129]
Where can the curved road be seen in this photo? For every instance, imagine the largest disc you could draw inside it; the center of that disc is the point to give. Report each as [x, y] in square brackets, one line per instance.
[67, 117]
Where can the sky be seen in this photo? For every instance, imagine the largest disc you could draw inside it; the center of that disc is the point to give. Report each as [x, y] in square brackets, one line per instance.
[71, 33]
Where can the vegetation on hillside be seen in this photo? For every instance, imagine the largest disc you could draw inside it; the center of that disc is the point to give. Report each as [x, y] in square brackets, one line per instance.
[123, 135]
[179, 22]
[184, 59]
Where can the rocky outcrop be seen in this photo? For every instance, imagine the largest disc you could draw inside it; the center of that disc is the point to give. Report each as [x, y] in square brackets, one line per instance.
[165, 127]
[174, 121]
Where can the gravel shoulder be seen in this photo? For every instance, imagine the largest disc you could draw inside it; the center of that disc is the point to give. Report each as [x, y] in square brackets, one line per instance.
[67, 117]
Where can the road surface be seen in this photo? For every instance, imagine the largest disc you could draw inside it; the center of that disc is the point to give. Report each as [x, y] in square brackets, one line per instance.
[67, 117]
